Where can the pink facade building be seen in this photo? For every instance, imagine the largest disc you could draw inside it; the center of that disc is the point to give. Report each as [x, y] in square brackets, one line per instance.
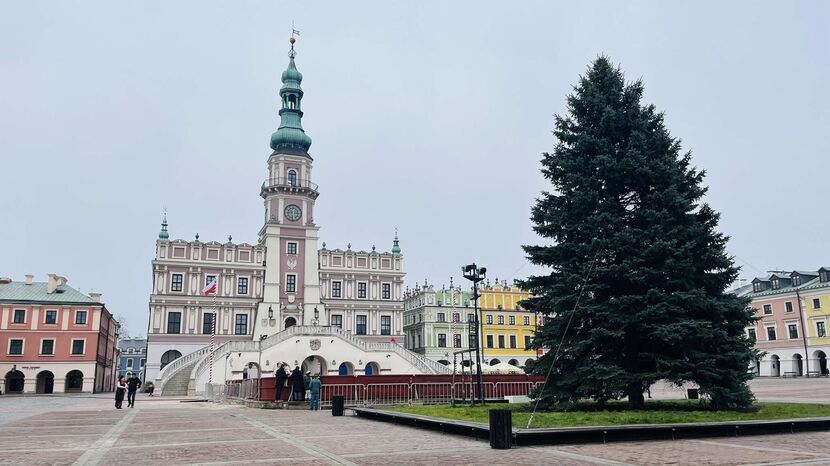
[788, 307]
[55, 339]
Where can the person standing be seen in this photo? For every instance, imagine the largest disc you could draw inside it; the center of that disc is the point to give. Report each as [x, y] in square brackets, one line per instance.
[279, 382]
[306, 385]
[314, 387]
[120, 387]
[133, 383]
[297, 385]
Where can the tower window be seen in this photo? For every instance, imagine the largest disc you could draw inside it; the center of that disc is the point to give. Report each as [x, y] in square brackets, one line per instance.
[292, 178]
[291, 283]
[291, 248]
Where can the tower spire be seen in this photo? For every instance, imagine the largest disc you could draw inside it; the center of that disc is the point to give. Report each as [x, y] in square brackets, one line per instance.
[396, 249]
[290, 138]
[163, 234]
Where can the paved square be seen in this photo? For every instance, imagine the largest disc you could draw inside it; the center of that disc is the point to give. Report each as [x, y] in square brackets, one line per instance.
[87, 430]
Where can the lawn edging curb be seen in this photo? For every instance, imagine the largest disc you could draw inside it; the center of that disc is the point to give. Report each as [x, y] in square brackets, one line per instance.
[603, 434]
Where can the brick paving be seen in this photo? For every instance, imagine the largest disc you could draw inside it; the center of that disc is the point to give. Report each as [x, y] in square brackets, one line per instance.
[163, 431]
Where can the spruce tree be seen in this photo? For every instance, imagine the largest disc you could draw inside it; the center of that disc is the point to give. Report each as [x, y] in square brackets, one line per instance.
[625, 221]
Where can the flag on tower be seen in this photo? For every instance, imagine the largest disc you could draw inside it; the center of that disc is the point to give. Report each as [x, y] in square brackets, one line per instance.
[210, 288]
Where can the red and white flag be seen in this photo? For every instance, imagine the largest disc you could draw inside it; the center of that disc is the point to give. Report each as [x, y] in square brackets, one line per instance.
[210, 288]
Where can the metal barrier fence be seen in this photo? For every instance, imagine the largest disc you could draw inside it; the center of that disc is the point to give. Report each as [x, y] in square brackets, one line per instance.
[247, 389]
[384, 394]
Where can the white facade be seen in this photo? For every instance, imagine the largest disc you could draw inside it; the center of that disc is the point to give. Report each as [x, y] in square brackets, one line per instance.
[351, 299]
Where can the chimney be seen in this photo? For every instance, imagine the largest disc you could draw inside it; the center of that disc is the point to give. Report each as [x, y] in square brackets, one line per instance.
[54, 282]
[95, 297]
[51, 283]
[29, 279]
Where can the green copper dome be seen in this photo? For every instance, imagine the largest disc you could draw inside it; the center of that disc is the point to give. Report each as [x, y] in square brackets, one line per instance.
[292, 76]
[290, 138]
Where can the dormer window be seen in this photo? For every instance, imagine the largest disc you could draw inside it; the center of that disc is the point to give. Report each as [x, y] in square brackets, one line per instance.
[796, 280]
[775, 284]
[756, 287]
[822, 276]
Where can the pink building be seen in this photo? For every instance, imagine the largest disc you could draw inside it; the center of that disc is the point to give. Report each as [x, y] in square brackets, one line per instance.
[779, 331]
[54, 339]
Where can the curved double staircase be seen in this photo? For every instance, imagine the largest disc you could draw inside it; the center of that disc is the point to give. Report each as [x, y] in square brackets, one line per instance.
[180, 376]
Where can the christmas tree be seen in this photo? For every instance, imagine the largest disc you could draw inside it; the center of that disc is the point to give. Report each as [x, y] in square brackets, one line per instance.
[637, 289]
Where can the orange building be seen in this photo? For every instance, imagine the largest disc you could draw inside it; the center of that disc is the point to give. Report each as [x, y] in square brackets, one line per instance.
[55, 339]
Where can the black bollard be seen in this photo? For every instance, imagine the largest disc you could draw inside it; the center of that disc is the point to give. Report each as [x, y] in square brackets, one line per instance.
[338, 405]
[501, 429]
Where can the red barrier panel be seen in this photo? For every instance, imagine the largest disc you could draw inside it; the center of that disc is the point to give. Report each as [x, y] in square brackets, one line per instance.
[429, 387]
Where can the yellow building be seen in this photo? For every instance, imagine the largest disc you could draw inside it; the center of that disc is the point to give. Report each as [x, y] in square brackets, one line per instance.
[508, 328]
[815, 303]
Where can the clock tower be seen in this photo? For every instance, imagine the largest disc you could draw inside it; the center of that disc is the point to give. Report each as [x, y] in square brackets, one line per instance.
[291, 292]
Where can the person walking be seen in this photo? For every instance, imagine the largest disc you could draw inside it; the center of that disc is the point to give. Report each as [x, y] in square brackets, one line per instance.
[297, 385]
[314, 387]
[279, 382]
[133, 383]
[120, 388]
[306, 385]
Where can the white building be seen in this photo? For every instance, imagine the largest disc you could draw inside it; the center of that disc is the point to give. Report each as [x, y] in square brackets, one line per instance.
[283, 299]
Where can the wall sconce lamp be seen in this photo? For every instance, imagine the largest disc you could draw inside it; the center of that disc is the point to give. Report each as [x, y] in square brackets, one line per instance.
[270, 313]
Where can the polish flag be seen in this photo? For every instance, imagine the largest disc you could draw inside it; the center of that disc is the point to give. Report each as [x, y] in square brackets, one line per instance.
[210, 288]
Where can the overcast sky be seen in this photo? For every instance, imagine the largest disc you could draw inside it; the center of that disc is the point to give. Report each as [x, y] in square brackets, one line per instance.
[426, 116]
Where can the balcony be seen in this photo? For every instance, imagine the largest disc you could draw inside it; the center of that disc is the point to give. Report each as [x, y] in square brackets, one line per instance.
[290, 185]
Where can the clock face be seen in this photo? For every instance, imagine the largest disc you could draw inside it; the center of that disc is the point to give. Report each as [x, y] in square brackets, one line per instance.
[293, 213]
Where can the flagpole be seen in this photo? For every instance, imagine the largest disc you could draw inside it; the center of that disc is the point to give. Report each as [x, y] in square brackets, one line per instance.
[212, 333]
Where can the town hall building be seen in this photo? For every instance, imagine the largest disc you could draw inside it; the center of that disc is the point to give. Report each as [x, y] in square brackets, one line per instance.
[283, 299]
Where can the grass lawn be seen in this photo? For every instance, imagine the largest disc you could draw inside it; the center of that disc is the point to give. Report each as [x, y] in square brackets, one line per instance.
[656, 412]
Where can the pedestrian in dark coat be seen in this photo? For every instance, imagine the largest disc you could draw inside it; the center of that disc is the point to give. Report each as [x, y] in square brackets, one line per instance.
[120, 388]
[297, 384]
[280, 381]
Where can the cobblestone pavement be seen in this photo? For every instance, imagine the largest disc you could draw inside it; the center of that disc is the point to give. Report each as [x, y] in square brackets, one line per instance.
[799, 390]
[88, 430]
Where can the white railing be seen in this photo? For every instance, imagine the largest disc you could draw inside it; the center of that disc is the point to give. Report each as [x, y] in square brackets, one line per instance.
[175, 366]
[422, 363]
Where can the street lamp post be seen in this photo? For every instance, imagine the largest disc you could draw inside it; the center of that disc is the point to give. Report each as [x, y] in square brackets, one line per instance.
[476, 274]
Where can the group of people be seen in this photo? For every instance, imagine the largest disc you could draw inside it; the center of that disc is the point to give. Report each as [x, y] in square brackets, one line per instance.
[303, 386]
[130, 386]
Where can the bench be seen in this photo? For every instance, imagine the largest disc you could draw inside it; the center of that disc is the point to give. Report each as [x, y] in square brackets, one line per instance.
[813, 374]
[790, 374]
